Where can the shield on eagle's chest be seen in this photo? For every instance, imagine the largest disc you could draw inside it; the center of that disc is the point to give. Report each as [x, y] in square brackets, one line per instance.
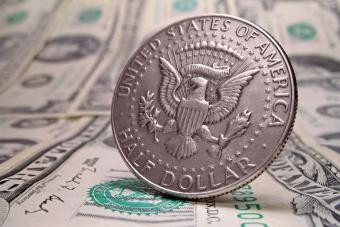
[191, 115]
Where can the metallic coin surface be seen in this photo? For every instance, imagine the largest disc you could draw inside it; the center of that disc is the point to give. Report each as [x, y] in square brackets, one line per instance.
[204, 106]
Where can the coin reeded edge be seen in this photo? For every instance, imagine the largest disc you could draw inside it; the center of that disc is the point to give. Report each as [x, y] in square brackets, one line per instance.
[279, 147]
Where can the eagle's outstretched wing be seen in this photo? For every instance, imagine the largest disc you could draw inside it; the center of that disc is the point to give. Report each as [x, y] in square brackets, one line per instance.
[170, 81]
[229, 93]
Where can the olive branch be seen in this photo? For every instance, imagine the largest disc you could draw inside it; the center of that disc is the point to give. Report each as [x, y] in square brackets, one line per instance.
[148, 114]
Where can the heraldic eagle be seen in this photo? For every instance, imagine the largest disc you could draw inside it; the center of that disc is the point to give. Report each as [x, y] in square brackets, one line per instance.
[185, 100]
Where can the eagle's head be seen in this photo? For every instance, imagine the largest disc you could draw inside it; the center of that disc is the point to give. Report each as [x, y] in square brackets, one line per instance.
[197, 82]
[198, 86]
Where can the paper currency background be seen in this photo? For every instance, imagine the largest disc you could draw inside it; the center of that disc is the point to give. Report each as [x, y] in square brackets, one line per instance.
[59, 60]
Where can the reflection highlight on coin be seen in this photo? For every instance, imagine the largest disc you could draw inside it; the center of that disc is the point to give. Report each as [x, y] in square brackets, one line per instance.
[204, 106]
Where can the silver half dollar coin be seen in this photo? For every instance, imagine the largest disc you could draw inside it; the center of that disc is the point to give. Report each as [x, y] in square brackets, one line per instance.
[204, 106]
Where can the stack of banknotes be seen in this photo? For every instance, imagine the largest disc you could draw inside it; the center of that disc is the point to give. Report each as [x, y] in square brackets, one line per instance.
[59, 165]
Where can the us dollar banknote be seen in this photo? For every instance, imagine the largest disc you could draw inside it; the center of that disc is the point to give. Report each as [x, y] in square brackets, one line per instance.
[319, 88]
[135, 29]
[24, 136]
[67, 62]
[25, 26]
[59, 164]
[96, 98]
[81, 180]
[315, 31]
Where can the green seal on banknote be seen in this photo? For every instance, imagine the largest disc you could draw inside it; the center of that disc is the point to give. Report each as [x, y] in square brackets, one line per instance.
[17, 17]
[303, 31]
[90, 15]
[131, 196]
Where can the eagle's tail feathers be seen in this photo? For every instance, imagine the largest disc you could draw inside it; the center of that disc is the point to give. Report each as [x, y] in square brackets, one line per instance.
[181, 146]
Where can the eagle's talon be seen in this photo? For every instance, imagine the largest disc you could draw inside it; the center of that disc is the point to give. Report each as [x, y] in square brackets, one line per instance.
[170, 126]
[214, 151]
